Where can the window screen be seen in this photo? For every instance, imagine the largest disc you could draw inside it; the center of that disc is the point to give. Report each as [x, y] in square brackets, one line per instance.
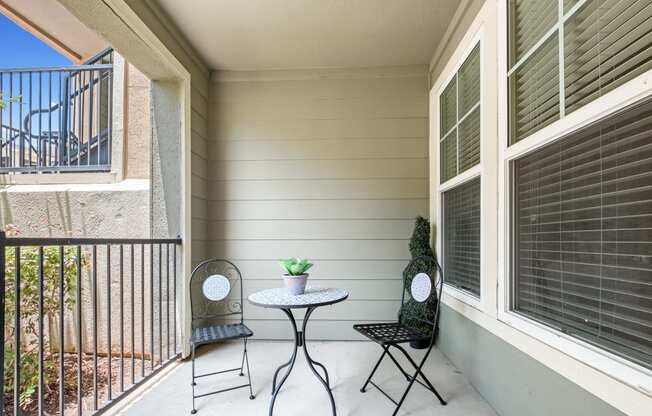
[583, 234]
[461, 215]
[605, 43]
[459, 106]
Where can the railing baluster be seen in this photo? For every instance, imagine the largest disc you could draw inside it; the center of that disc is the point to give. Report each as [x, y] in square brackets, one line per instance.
[133, 350]
[41, 334]
[122, 329]
[167, 295]
[108, 318]
[142, 311]
[80, 136]
[94, 302]
[79, 331]
[49, 151]
[39, 156]
[90, 118]
[21, 144]
[11, 121]
[72, 113]
[61, 329]
[28, 120]
[109, 126]
[160, 304]
[151, 306]
[17, 333]
[174, 289]
[99, 117]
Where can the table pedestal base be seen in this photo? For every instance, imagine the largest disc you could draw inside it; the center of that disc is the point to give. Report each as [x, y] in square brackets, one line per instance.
[300, 341]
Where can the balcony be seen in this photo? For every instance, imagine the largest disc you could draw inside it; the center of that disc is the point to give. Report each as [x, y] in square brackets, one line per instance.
[57, 119]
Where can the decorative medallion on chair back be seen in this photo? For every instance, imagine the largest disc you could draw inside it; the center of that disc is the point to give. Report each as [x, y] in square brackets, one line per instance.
[420, 294]
[215, 291]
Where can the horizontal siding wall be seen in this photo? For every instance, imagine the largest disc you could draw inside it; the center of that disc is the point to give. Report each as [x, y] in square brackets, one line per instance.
[327, 165]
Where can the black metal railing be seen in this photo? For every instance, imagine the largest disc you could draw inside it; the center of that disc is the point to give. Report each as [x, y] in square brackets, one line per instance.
[84, 320]
[57, 119]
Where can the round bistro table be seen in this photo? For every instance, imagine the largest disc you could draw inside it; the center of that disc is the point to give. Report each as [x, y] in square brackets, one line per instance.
[313, 298]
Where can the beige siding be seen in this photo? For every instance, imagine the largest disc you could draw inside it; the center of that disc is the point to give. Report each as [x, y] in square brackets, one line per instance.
[328, 165]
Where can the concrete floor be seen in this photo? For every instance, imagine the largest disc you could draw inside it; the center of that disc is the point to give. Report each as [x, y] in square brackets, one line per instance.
[348, 364]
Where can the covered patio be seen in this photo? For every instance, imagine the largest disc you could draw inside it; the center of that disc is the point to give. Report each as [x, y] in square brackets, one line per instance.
[516, 132]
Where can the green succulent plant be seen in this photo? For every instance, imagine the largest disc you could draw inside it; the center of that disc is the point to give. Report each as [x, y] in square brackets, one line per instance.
[294, 266]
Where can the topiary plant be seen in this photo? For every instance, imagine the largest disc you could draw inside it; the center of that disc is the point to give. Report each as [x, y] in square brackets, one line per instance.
[413, 311]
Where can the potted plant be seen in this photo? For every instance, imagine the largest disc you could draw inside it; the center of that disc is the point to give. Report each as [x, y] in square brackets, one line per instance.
[417, 313]
[295, 277]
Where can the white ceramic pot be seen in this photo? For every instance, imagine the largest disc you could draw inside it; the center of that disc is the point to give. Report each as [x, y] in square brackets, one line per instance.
[296, 285]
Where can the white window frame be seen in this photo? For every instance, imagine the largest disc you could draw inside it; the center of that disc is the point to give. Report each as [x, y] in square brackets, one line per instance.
[621, 369]
[472, 173]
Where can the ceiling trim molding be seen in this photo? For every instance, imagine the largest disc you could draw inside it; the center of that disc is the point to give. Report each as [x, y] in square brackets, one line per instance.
[40, 33]
[450, 30]
[178, 35]
[407, 71]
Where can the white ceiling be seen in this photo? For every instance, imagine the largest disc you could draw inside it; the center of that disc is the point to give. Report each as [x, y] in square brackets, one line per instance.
[289, 34]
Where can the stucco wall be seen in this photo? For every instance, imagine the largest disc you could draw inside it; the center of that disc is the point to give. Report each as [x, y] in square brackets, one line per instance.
[326, 165]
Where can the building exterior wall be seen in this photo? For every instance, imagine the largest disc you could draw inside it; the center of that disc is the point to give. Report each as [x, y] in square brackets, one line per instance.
[166, 31]
[514, 367]
[325, 165]
[512, 381]
[93, 204]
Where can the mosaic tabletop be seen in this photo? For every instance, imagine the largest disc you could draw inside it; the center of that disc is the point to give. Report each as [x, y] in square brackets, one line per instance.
[314, 296]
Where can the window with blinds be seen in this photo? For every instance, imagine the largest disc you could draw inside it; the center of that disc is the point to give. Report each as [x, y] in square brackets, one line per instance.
[583, 234]
[601, 44]
[459, 117]
[461, 214]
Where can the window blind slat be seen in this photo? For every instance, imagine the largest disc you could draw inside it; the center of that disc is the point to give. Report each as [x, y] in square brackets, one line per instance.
[606, 43]
[461, 207]
[529, 20]
[534, 91]
[448, 158]
[583, 234]
[469, 132]
[448, 107]
[469, 82]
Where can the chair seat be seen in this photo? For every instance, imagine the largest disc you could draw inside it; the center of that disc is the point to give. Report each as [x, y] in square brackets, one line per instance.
[390, 333]
[208, 334]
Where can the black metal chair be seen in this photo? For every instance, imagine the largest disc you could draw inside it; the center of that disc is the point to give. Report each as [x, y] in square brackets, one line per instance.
[424, 293]
[211, 282]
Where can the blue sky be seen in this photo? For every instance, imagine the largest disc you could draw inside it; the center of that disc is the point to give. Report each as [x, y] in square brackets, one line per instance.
[19, 49]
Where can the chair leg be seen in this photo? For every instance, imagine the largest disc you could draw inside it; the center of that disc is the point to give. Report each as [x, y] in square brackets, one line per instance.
[419, 372]
[244, 353]
[193, 384]
[246, 357]
[364, 386]
[400, 402]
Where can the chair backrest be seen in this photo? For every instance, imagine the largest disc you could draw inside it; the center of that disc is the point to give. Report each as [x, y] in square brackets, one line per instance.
[423, 281]
[215, 291]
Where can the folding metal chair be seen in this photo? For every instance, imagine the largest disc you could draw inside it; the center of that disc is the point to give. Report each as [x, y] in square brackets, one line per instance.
[424, 295]
[211, 282]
